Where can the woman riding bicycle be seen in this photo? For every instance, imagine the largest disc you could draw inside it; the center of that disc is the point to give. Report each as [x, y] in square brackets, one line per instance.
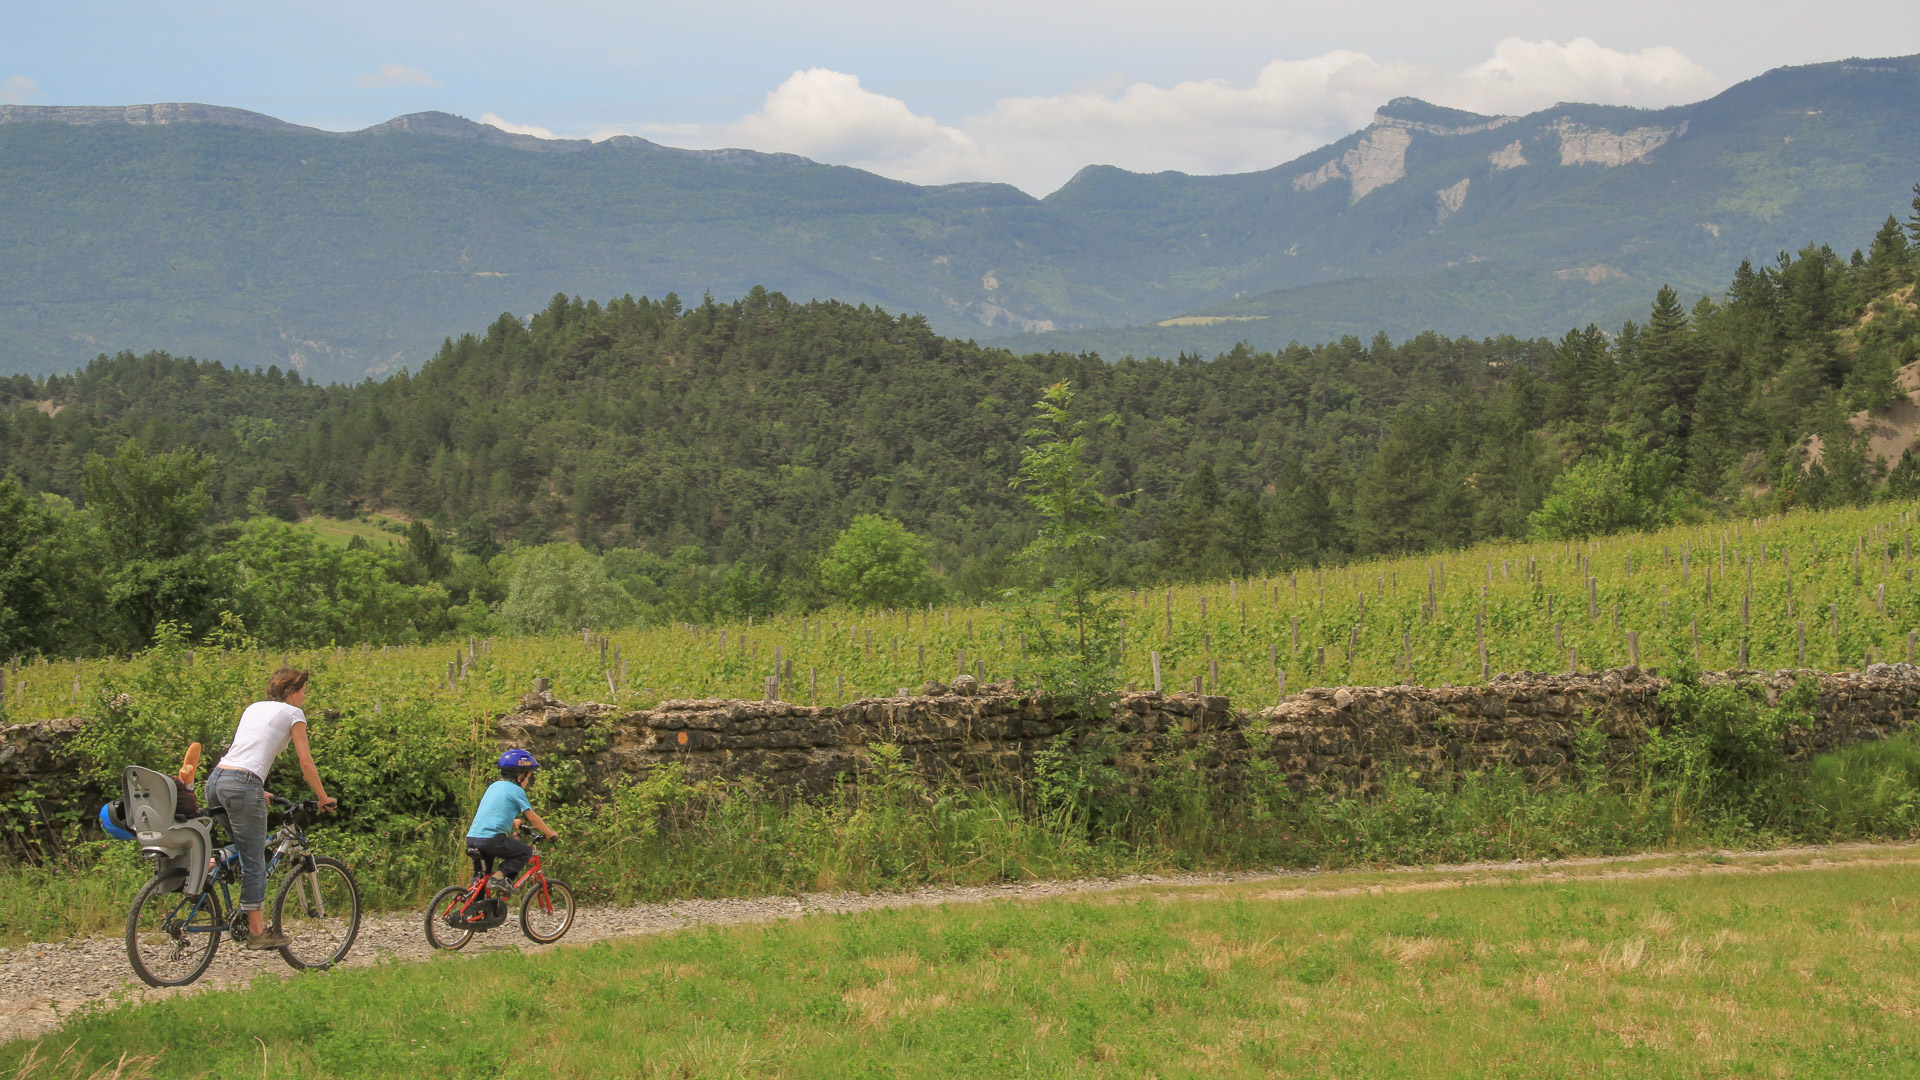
[238, 784]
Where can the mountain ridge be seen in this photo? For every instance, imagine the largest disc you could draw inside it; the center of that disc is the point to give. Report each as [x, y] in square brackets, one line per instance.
[236, 236]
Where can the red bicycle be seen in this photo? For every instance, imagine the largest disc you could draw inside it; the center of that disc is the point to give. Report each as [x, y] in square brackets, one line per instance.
[460, 911]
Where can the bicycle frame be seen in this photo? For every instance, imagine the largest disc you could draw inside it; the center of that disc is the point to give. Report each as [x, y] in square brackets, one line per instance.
[477, 889]
[293, 842]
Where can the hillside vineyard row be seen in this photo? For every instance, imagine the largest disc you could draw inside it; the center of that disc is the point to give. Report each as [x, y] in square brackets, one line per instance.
[1831, 591]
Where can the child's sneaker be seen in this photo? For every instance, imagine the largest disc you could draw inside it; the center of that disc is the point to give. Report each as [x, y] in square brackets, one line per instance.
[499, 887]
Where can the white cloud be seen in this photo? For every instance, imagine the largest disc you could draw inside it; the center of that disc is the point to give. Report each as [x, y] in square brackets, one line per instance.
[829, 116]
[394, 75]
[1199, 126]
[1526, 75]
[508, 126]
[17, 89]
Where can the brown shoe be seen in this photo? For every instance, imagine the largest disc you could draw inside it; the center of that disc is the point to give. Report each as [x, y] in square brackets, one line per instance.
[267, 940]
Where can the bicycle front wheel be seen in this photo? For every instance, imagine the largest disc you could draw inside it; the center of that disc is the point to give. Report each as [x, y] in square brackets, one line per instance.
[547, 912]
[318, 908]
[171, 937]
[448, 904]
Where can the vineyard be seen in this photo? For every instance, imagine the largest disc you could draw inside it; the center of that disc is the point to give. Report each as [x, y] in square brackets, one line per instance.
[1832, 590]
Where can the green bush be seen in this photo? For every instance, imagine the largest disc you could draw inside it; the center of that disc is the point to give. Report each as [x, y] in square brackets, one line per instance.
[1868, 790]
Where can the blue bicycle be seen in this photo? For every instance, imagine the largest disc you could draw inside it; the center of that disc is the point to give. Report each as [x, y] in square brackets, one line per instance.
[172, 933]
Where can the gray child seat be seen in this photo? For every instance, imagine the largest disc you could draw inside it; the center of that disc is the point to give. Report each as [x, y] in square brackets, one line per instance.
[151, 800]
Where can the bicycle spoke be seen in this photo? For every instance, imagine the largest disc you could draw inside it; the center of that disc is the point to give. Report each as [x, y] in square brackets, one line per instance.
[319, 911]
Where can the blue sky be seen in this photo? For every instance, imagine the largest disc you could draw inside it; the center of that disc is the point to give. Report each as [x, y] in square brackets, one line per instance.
[1023, 92]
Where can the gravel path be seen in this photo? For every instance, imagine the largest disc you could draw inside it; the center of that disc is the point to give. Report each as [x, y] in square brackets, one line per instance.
[42, 982]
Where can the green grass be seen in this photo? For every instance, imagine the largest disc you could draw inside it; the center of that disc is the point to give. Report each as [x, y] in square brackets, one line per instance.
[1803, 971]
[375, 529]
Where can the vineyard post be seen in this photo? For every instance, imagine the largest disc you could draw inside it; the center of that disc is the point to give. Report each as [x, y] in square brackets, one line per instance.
[839, 689]
[1633, 647]
[1910, 646]
[1197, 691]
[771, 686]
[1573, 659]
[1213, 675]
[813, 686]
[1283, 686]
[1593, 598]
[1169, 614]
[963, 662]
[1296, 633]
[1696, 641]
[1273, 657]
[612, 687]
[453, 670]
[1479, 625]
[540, 686]
[1880, 598]
[1743, 654]
[1320, 658]
[1156, 671]
[1800, 641]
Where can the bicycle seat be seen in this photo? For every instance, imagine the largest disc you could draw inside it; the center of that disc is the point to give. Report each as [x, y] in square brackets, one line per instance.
[482, 864]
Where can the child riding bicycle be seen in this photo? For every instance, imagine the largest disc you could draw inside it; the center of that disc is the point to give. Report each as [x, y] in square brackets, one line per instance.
[505, 800]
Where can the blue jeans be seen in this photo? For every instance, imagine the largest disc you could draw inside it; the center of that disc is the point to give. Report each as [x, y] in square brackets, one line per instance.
[245, 797]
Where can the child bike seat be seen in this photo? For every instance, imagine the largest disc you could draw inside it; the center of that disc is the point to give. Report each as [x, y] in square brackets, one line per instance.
[151, 799]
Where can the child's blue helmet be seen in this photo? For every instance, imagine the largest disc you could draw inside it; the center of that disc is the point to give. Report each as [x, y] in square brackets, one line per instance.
[517, 758]
[113, 827]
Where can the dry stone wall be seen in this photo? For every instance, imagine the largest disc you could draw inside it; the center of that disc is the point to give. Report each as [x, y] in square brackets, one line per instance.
[1333, 738]
[1337, 738]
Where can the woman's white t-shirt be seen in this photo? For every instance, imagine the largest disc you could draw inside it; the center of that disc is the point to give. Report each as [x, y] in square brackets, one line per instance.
[264, 730]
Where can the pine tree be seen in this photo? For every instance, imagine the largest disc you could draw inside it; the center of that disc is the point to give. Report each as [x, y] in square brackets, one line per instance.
[1888, 260]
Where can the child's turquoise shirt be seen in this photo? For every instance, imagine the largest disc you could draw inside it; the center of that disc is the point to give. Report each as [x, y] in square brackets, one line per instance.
[504, 801]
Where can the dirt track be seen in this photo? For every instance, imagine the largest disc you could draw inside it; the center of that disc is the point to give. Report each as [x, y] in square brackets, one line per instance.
[42, 982]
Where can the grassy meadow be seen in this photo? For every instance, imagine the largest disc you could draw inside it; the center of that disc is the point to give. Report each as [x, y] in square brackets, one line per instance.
[1792, 965]
[376, 529]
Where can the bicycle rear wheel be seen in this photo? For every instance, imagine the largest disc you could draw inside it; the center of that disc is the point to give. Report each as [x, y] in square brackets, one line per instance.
[547, 918]
[318, 908]
[448, 903]
[171, 938]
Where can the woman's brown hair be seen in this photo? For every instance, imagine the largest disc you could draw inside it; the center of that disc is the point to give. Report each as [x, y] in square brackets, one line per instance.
[285, 683]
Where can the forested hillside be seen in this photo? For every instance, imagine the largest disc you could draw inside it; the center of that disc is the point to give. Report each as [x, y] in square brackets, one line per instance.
[697, 461]
[238, 238]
